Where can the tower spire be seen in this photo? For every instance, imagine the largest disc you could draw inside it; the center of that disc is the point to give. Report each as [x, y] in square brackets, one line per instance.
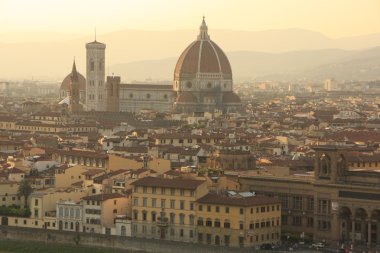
[203, 31]
[74, 73]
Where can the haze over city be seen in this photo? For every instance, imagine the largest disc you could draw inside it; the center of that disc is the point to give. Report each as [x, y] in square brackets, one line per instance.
[39, 39]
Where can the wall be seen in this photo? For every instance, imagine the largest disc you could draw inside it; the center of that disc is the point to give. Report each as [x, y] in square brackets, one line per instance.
[116, 242]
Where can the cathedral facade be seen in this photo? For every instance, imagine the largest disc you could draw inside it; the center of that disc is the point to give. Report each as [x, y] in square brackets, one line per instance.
[202, 83]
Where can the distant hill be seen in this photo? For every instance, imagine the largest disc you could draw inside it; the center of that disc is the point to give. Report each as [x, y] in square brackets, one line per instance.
[44, 58]
[246, 65]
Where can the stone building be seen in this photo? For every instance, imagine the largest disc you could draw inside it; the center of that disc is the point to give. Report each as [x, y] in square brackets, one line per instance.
[238, 219]
[336, 204]
[203, 77]
[202, 83]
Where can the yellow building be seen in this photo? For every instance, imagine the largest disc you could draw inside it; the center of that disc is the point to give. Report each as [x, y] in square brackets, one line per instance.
[165, 208]
[8, 194]
[238, 219]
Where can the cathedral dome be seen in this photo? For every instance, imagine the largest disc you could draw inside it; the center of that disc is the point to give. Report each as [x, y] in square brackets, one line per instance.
[65, 85]
[231, 98]
[203, 56]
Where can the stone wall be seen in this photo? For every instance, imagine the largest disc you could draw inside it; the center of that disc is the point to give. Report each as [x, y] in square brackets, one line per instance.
[129, 244]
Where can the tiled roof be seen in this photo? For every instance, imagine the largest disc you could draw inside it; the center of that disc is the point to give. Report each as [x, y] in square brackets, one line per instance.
[189, 184]
[103, 196]
[225, 199]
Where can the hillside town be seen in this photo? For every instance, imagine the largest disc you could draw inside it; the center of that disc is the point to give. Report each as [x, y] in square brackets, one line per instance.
[201, 160]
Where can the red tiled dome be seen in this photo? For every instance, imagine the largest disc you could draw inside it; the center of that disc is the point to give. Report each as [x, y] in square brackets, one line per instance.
[66, 82]
[186, 97]
[230, 97]
[203, 56]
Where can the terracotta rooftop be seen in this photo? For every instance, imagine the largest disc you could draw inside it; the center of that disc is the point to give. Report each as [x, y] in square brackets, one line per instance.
[103, 196]
[189, 184]
[225, 199]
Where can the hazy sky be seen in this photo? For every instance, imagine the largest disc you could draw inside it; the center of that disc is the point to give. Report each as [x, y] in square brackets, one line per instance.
[335, 18]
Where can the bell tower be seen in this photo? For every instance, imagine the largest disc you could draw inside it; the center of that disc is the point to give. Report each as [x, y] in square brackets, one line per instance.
[95, 76]
[330, 163]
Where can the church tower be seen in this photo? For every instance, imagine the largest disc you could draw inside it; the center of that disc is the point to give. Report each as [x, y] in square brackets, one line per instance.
[74, 94]
[113, 91]
[95, 76]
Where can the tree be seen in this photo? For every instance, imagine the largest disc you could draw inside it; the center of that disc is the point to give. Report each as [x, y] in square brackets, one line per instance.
[24, 190]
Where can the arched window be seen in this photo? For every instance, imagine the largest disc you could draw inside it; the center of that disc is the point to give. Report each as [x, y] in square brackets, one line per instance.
[92, 65]
[123, 231]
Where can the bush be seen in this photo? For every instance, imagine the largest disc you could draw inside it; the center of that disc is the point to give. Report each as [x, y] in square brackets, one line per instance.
[14, 211]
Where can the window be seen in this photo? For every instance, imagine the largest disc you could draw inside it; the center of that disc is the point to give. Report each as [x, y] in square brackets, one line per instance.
[36, 202]
[163, 202]
[154, 216]
[227, 224]
[297, 221]
[154, 202]
[227, 240]
[310, 221]
[324, 225]
[148, 96]
[181, 219]
[208, 238]
[181, 232]
[191, 219]
[172, 204]
[191, 206]
[284, 219]
[145, 200]
[241, 210]
[144, 215]
[217, 223]
[154, 190]
[208, 223]
[217, 209]
[208, 208]
[227, 210]
[241, 226]
[162, 191]
[297, 203]
[172, 218]
[263, 209]
[135, 201]
[182, 205]
[182, 192]
[144, 189]
[92, 65]
[310, 204]
[200, 222]
[200, 208]
[324, 206]
[172, 192]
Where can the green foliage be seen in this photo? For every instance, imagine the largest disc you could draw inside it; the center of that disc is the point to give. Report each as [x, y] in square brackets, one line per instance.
[15, 211]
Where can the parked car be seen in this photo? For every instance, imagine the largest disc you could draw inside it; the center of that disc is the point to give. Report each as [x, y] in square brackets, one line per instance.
[318, 245]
